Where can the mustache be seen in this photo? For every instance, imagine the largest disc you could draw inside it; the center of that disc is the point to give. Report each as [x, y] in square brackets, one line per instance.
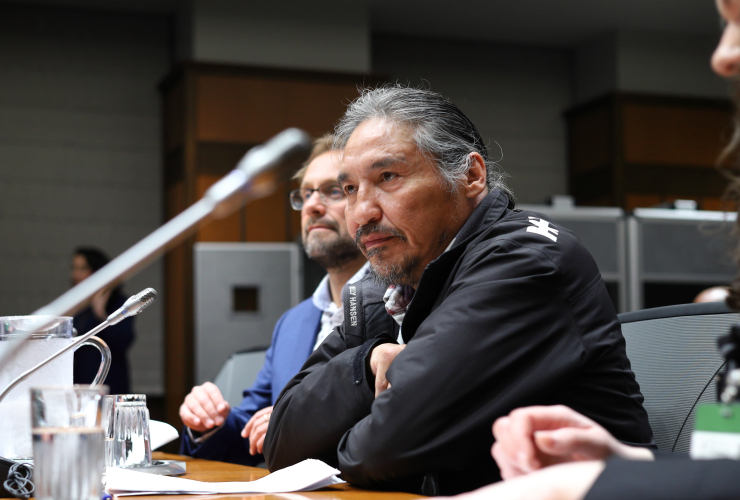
[373, 228]
[331, 224]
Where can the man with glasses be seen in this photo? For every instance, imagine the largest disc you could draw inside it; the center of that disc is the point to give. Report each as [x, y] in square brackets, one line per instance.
[216, 431]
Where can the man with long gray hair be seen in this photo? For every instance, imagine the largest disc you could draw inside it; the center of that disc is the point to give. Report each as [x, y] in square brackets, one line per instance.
[473, 309]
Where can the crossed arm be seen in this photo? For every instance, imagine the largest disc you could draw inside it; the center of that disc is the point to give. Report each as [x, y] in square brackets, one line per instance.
[554, 453]
[550, 453]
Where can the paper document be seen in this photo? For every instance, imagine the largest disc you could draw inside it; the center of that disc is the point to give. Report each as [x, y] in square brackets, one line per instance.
[304, 476]
[161, 433]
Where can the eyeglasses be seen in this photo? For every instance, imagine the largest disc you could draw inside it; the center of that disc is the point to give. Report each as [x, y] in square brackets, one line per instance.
[328, 193]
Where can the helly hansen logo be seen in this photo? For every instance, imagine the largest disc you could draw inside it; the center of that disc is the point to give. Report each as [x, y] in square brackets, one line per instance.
[541, 226]
[353, 305]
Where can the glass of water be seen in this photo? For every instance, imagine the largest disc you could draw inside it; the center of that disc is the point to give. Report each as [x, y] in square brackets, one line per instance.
[130, 432]
[67, 442]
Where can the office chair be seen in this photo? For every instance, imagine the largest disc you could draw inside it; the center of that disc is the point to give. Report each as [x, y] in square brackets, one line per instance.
[674, 354]
[239, 373]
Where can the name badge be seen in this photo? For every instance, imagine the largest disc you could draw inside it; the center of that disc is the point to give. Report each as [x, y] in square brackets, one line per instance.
[716, 432]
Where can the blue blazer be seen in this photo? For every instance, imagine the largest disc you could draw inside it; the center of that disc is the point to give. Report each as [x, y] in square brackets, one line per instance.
[292, 343]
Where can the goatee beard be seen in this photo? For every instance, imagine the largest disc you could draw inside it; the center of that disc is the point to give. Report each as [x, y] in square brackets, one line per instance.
[386, 275]
[332, 253]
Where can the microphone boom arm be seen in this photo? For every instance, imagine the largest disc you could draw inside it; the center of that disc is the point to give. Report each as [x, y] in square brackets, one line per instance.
[253, 177]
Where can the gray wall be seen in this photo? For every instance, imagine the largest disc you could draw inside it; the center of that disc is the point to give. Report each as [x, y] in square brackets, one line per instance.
[331, 35]
[80, 154]
[514, 95]
[655, 63]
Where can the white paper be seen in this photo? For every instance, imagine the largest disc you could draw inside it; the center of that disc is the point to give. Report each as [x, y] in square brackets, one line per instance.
[161, 433]
[304, 476]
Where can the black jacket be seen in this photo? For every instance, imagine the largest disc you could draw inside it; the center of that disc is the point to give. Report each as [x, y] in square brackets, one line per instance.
[514, 314]
[678, 478]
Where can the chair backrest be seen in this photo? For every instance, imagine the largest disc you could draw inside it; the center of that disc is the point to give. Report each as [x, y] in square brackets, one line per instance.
[674, 354]
[239, 373]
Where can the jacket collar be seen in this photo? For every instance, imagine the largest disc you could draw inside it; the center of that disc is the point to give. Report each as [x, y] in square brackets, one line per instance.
[489, 210]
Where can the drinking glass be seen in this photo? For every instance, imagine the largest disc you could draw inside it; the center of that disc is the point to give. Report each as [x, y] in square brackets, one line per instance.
[130, 435]
[67, 442]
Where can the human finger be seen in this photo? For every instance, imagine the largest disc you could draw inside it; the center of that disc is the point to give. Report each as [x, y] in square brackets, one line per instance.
[380, 361]
[256, 418]
[574, 443]
[381, 383]
[261, 443]
[593, 443]
[505, 462]
[516, 449]
[200, 403]
[248, 427]
[516, 434]
[214, 393]
[258, 431]
[190, 419]
[549, 418]
[507, 468]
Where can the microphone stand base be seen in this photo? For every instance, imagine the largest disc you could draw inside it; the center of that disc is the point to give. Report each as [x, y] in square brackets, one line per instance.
[162, 468]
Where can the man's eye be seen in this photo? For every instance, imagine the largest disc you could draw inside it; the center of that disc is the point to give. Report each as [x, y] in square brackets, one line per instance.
[335, 193]
[388, 176]
[349, 189]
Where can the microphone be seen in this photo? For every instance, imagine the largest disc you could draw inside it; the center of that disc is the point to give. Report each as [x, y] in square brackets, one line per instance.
[258, 174]
[133, 306]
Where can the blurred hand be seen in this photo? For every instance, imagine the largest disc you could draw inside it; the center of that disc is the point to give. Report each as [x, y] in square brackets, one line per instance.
[204, 408]
[98, 303]
[561, 482]
[380, 360]
[531, 438]
[256, 429]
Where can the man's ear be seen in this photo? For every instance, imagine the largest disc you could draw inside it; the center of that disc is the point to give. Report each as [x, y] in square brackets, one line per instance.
[475, 181]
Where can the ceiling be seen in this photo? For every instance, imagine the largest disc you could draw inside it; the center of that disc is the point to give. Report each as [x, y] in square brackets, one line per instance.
[541, 22]
[558, 23]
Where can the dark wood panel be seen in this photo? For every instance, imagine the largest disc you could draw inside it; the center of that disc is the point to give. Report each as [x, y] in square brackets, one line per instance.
[266, 219]
[634, 150]
[718, 204]
[227, 229]
[591, 139]
[219, 158]
[177, 297]
[684, 182]
[174, 118]
[664, 134]
[315, 107]
[251, 110]
[240, 109]
[640, 200]
[593, 184]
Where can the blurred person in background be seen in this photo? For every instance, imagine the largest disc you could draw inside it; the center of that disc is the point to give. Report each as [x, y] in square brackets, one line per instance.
[86, 261]
[713, 294]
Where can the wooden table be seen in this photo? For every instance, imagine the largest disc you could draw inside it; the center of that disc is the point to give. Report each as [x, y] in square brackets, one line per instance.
[211, 471]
